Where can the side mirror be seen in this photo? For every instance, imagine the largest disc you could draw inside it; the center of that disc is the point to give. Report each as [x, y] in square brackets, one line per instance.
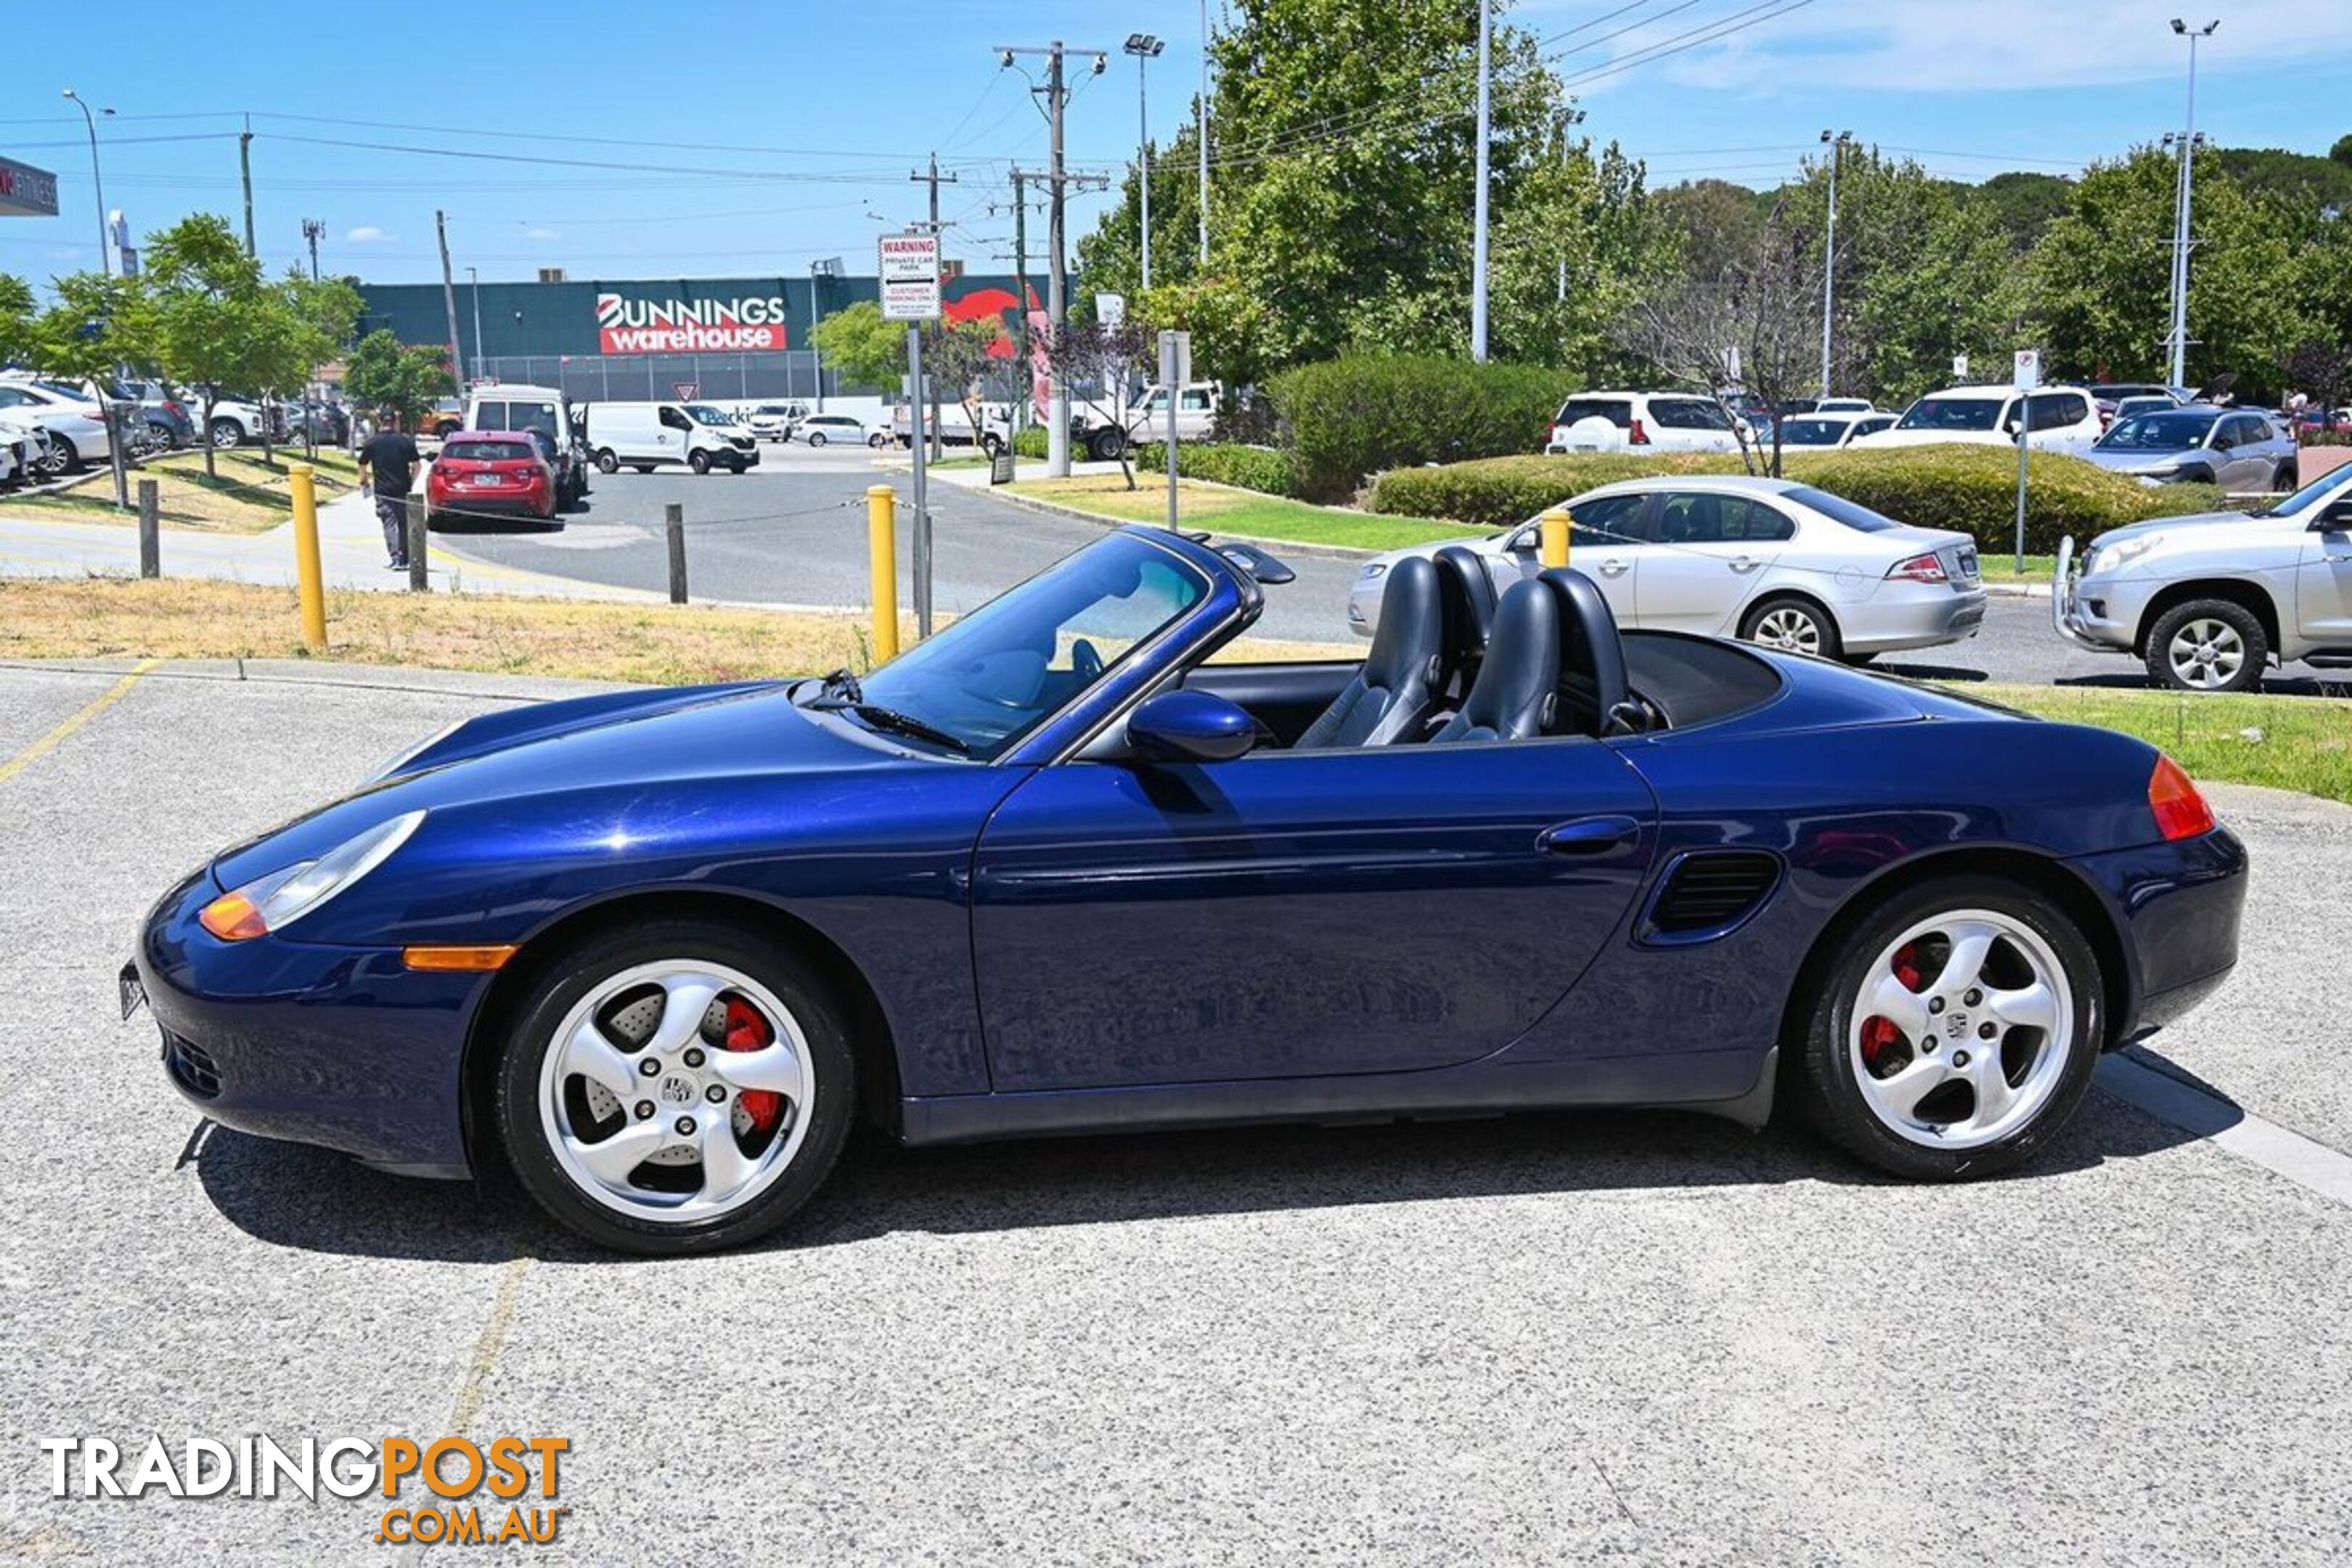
[1526, 541]
[1190, 727]
[2334, 516]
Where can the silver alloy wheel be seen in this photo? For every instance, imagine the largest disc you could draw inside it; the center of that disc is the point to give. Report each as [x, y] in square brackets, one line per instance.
[226, 434]
[1789, 629]
[1968, 1054]
[2205, 653]
[651, 1037]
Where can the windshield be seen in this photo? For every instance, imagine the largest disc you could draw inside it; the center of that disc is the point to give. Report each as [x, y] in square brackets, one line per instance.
[992, 675]
[704, 414]
[1952, 414]
[2158, 432]
[1812, 432]
[2311, 495]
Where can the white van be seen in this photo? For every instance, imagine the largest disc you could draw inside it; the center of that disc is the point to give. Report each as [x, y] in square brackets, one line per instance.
[544, 409]
[647, 436]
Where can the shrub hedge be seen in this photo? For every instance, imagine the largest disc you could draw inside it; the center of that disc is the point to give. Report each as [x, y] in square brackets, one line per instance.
[1250, 468]
[1030, 442]
[1971, 489]
[1344, 420]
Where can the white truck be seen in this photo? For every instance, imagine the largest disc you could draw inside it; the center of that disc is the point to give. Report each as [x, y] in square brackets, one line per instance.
[1196, 410]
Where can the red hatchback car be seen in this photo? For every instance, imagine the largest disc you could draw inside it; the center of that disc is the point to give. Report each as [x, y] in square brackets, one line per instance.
[494, 472]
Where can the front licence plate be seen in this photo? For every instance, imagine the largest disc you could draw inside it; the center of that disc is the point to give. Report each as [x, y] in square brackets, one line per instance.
[134, 994]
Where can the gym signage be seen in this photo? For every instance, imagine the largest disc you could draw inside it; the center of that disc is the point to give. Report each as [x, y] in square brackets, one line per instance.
[26, 192]
[743, 324]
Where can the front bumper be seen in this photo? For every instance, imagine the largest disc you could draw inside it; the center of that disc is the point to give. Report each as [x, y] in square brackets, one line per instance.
[2177, 907]
[2099, 613]
[344, 1048]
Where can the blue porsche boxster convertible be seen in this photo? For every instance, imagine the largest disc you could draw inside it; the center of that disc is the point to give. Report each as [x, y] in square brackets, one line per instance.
[1053, 870]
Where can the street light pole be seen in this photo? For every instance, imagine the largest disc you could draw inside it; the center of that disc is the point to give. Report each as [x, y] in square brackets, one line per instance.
[1478, 203]
[2181, 207]
[1837, 146]
[97, 183]
[1143, 46]
[474, 281]
[1200, 135]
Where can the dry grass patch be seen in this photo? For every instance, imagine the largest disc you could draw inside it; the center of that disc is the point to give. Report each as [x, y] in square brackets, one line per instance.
[246, 495]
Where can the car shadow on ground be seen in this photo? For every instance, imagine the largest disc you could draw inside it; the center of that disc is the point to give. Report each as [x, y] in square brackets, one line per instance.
[2274, 685]
[1912, 671]
[290, 1195]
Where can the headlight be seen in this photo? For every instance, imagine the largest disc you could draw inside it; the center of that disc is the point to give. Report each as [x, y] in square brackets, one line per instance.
[1377, 569]
[275, 901]
[2121, 553]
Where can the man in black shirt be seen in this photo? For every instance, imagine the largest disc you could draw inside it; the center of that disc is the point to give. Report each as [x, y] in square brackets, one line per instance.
[392, 458]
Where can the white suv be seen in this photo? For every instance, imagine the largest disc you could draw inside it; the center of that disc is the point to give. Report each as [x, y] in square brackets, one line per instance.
[2065, 419]
[1642, 423]
[2207, 602]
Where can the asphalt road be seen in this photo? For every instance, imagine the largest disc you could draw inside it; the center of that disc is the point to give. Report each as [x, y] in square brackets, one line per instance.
[1649, 1337]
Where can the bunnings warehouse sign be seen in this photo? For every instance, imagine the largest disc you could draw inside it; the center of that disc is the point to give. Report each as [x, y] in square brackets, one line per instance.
[657, 324]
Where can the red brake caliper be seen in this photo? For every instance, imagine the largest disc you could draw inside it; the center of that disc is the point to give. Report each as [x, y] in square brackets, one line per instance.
[748, 1031]
[1880, 1033]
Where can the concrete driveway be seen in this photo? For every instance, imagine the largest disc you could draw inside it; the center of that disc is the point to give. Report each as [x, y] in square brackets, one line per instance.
[1555, 1338]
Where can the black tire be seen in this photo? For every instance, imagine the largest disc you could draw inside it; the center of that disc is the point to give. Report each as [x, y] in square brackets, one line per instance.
[560, 986]
[992, 444]
[875, 441]
[2174, 667]
[698, 461]
[1107, 445]
[2282, 481]
[1826, 1087]
[608, 461]
[1789, 610]
[737, 467]
[816, 438]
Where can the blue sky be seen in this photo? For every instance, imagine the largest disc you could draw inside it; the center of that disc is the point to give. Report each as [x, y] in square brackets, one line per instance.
[814, 114]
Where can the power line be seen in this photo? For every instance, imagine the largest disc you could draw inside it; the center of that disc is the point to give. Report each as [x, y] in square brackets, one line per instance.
[1696, 36]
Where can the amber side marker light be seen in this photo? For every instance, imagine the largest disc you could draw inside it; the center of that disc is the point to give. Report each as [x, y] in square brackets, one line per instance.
[456, 957]
[232, 917]
[2180, 811]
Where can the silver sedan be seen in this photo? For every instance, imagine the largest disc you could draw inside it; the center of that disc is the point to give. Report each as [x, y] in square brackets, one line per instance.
[2234, 448]
[1771, 561]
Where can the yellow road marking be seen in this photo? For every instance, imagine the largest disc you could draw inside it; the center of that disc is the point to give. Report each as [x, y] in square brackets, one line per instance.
[487, 1348]
[46, 744]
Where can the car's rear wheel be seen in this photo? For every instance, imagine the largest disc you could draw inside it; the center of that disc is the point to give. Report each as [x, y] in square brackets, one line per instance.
[2283, 481]
[816, 438]
[675, 1087]
[1793, 625]
[2208, 645]
[608, 461]
[227, 433]
[1955, 1030]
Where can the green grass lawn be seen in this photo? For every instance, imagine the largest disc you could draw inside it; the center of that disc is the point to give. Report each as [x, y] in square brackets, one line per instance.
[2001, 567]
[1231, 512]
[2289, 743]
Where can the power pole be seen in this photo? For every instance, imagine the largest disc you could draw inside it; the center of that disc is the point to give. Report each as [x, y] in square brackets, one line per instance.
[1200, 135]
[1021, 291]
[1058, 180]
[449, 302]
[1478, 204]
[244, 173]
[934, 179]
[312, 230]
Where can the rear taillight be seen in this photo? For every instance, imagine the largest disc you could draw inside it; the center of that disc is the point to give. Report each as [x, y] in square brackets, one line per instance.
[1637, 437]
[2180, 811]
[1928, 568]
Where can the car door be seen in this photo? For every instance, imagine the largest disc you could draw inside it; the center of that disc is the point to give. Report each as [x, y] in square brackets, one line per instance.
[1605, 537]
[1291, 914]
[670, 433]
[1707, 551]
[2247, 464]
[2323, 579]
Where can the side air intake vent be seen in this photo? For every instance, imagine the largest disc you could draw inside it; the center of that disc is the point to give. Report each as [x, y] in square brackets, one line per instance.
[1711, 889]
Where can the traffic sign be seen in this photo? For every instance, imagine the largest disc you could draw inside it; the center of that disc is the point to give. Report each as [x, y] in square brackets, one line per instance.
[1960, 367]
[685, 391]
[908, 267]
[2028, 373]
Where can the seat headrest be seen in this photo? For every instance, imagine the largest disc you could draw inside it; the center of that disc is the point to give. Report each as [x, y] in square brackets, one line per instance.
[1413, 625]
[1514, 697]
[1592, 667]
[1470, 594]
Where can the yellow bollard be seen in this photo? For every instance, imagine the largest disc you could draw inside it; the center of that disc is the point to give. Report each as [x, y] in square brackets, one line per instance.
[306, 555]
[882, 560]
[1555, 537]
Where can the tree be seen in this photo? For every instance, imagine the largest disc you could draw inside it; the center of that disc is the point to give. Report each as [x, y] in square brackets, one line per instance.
[2342, 151]
[322, 312]
[2322, 370]
[862, 348]
[384, 373]
[959, 357]
[98, 325]
[1094, 361]
[216, 326]
[16, 318]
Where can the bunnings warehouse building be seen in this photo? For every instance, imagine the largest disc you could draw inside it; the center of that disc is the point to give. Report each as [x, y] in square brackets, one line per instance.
[728, 339]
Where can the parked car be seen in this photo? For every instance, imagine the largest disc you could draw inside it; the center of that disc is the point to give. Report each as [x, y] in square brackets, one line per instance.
[2111, 396]
[647, 436]
[2124, 408]
[776, 421]
[1829, 430]
[165, 413]
[239, 421]
[444, 419]
[547, 410]
[1642, 422]
[2200, 445]
[504, 473]
[1196, 412]
[325, 423]
[822, 430]
[2064, 419]
[2208, 602]
[33, 450]
[656, 952]
[1849, 406]
[75, 427]
[1773, 561]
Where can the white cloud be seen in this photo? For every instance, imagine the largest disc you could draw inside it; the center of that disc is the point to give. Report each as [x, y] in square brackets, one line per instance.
[367, 233]
[543, 234]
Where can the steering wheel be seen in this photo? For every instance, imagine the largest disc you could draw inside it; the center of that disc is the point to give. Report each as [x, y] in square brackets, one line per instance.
[1086, 663]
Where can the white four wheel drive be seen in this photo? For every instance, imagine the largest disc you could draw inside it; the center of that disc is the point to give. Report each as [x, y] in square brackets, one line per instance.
[2063, 419]
[2209, 601]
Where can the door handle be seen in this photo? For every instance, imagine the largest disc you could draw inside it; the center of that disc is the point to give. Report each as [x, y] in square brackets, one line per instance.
[1612, 567]
[1587, 835]
[1744, 564]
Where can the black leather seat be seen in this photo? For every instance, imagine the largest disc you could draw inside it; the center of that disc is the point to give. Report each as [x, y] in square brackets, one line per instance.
[1470, 599]
[1516, 691]
[1594, 695]
[1391, 695]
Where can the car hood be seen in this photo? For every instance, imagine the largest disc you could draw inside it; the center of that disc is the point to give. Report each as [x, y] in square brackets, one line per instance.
[2133, 461]
[583, 757]
[2168, 525]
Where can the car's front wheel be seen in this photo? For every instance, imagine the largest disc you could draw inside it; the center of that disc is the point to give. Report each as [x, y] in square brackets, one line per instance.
[698, 461]
[227, 433]
[2208, 645]
[675, 1087]
[1955, 1030]
[1793, 625]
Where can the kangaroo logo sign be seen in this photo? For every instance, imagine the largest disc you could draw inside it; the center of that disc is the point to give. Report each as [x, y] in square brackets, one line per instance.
[745, 324]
